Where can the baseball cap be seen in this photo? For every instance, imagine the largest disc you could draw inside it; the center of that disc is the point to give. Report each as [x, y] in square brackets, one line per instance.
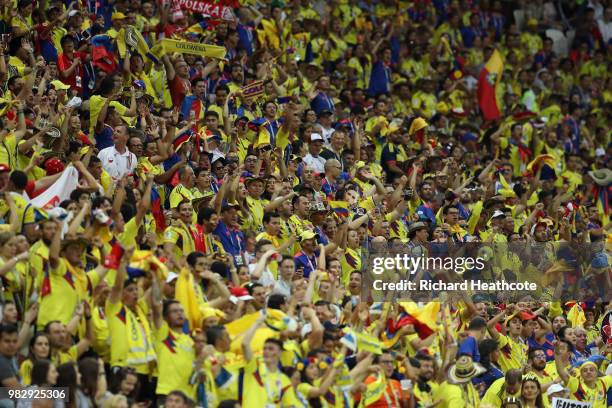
[118, 16]
[498, 214]
[315, 136]
[171, 276]
[555, 388]
[57, 84]
[239, 293]
[308, 235]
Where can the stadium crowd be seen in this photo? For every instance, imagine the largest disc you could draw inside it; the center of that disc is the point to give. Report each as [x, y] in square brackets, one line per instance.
[190, 202]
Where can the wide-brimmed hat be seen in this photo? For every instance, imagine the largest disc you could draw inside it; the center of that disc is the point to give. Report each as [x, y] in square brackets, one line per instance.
[602, 177]
[464, 370]
[416, 226]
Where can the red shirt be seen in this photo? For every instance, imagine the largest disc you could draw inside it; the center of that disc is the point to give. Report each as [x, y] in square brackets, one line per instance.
[63, 63]
[178, 89]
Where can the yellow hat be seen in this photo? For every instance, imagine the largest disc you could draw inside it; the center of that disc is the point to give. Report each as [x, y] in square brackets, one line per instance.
[57, 84]
[416, 125]
[532, 21]
[394, 126]
[308, 235]
[211, 312]
[117, 15]
[442, 107]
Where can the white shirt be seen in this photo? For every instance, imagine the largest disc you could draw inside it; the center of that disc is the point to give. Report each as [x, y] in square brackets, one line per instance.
[266, 279]
[317, 163]
[117, 164]
[606, 30]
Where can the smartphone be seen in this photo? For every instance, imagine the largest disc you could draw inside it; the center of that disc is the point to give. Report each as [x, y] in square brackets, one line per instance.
[85, 35]
[267, 148]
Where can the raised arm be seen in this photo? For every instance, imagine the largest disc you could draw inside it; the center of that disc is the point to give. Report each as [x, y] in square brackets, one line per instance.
[248, 336]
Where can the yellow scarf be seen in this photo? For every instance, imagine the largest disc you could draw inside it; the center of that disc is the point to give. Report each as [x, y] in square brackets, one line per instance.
[140, 350]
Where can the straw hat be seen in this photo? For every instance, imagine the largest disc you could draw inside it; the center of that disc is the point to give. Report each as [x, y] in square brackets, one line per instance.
[464, 370]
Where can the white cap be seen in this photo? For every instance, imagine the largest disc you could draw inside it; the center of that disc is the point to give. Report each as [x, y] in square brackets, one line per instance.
[600, 151]
[498, 213]
[73, 13]
[315, 137]
[171, 276]
[554, 388]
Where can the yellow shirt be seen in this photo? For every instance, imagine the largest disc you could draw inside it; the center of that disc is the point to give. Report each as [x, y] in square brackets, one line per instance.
[596, 396]
[8, 151]
[454, 396]
[496, 394]
[262, 388]
[256, 208]
[181, 238]
[117, 315]
[101, 343]
[175, 356]
[513, 354]
[61, 290]
[61, 357]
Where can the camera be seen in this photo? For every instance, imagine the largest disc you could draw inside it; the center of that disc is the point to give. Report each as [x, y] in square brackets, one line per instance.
[408, 193]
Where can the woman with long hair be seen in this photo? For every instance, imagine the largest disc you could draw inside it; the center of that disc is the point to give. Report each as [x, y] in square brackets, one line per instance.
[43, 375]
[124, 382]
[93, 383]
[531, 392]
[39, 350]
[86, 382]
[311, 381]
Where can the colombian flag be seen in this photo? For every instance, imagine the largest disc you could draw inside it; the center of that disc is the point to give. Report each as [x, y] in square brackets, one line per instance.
[340, 208]
[539, 162]
[156, 209]
[424, 320]
[488, 82]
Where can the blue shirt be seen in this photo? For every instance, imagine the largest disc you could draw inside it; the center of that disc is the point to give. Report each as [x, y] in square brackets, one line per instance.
[321, 103]
[469, 347]
[104, 139]
[301, 260]
[231, 239]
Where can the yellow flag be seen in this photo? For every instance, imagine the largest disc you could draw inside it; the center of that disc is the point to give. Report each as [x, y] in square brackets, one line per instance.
[576, 316]
[374, 390]
[185, 47]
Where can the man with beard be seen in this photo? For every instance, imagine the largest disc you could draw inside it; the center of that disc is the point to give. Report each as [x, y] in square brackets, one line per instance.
[62, 351]
[179, 239]
[39, 251]
[426, 387]
[393, 153]
[537, 364]
[422, 200]
[299, 220]
[229, 233]
[175, 349]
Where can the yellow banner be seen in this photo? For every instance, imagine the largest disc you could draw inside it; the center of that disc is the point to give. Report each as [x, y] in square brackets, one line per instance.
[185, 47]
[367, 342]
